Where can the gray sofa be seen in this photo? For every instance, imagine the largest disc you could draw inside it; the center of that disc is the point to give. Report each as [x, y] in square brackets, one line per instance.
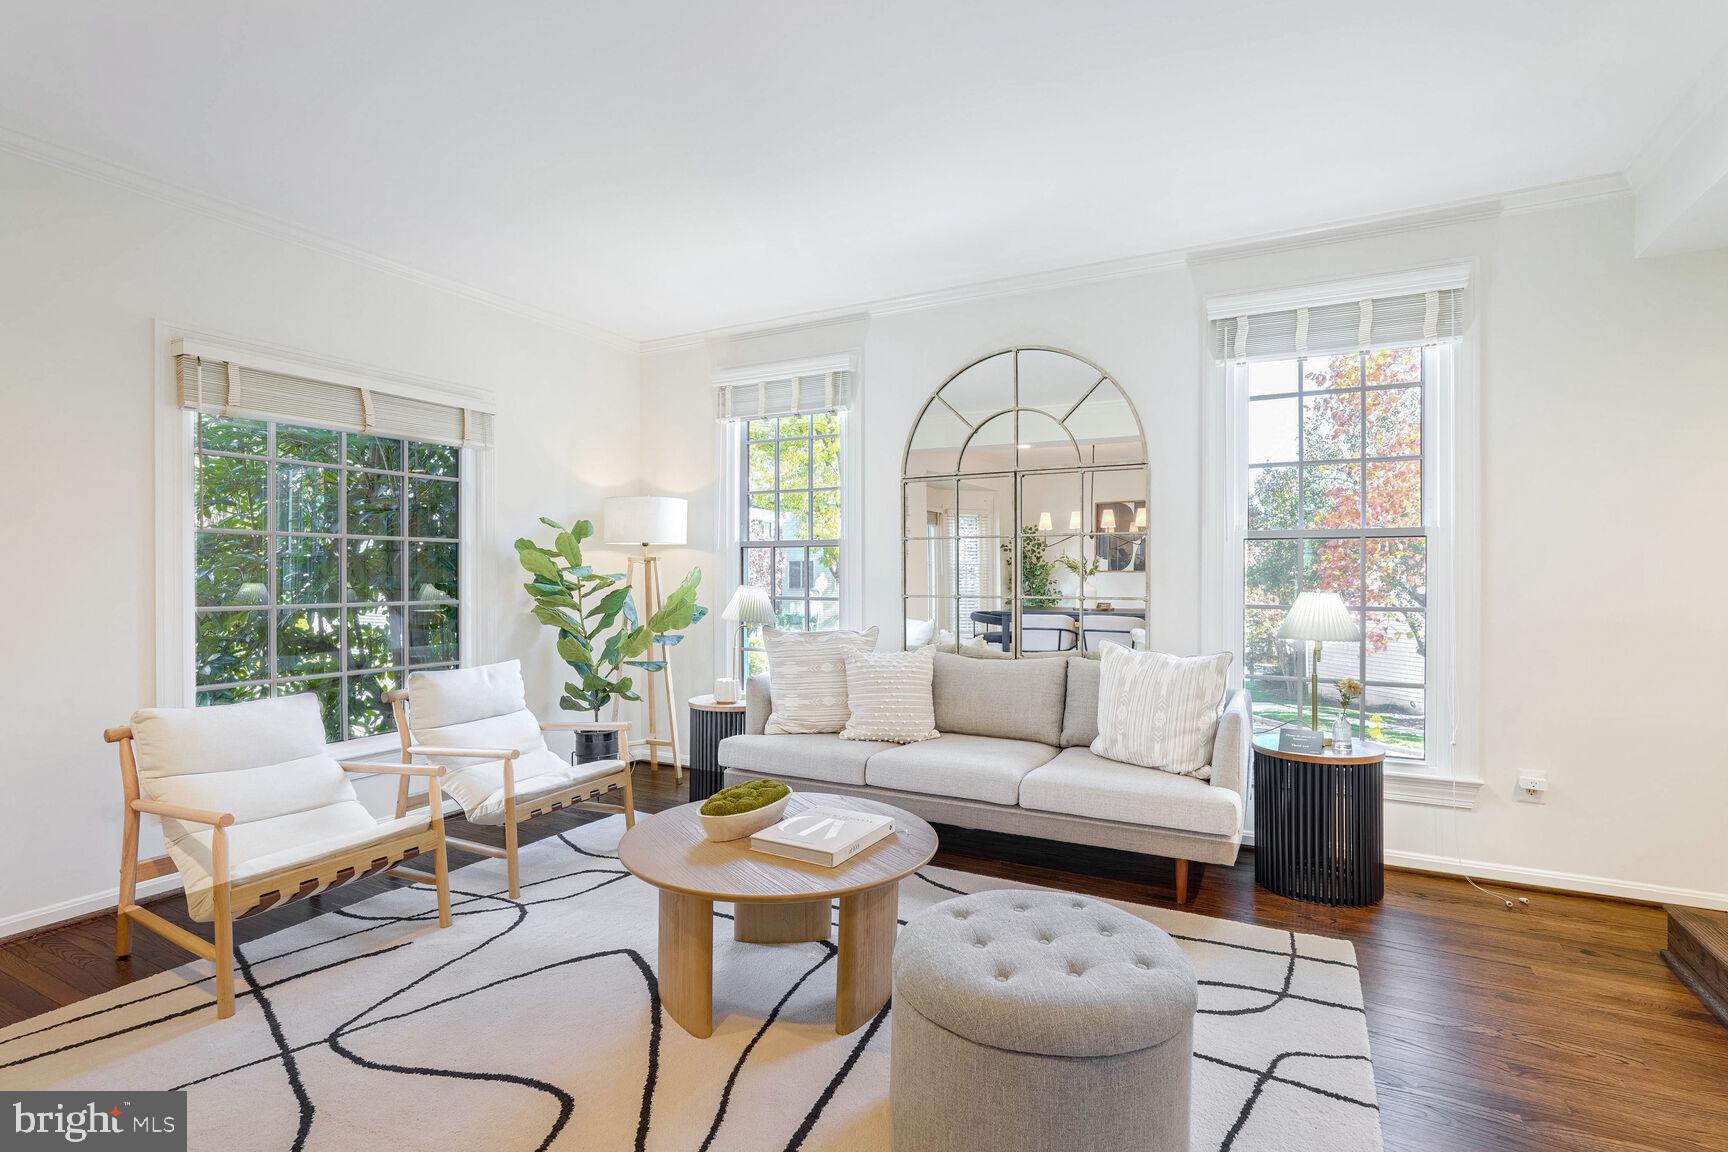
[1014, 757]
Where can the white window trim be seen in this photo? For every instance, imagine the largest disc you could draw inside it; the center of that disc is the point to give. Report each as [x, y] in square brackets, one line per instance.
[729, 451]
[1452, 775]
[176, 441]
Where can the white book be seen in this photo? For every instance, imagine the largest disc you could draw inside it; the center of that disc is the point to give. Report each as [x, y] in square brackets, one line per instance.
[826, 836]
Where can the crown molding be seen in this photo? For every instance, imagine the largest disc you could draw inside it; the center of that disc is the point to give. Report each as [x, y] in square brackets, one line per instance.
[1564, 195]
[1547, 197]
[238, 215]
[916, 302]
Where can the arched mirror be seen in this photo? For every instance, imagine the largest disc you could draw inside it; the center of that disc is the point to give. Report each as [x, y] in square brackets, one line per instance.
[1024, 510]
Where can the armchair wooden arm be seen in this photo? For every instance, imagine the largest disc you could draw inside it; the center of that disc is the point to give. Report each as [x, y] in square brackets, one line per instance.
[466, 753]
[180, 812]
[393, 769]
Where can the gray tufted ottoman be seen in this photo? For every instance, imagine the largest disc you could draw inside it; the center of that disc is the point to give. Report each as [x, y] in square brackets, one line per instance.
[1034, 1021]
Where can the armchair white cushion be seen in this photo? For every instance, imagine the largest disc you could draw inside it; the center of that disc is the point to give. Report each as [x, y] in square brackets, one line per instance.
[1047, 632]
[485, 708]
[264, 762]
[1101, 629]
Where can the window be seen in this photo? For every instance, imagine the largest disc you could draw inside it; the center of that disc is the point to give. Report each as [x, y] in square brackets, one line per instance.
[324, 562]
[790, 531]
[1336, 495]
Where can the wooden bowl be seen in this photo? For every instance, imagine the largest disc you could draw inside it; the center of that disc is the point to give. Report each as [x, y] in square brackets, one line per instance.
[742, 824]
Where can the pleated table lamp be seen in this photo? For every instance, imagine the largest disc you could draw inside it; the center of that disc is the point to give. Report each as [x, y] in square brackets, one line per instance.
[1318, 617]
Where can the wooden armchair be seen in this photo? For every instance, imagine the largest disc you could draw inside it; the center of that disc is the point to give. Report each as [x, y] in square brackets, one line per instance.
[476, 723]
[256, 814]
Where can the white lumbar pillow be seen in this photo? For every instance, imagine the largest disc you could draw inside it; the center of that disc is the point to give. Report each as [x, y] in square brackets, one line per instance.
[808, 672]
[1160, 711]
[890, 696]
[919, 632]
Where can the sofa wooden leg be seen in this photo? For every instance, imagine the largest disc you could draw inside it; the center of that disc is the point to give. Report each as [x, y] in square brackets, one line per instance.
[1182, 882]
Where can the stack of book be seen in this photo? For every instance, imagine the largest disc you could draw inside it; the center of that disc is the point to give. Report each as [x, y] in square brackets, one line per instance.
[825, 836]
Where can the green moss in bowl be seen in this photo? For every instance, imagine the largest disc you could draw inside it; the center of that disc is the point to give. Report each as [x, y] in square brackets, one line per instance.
[745, 797]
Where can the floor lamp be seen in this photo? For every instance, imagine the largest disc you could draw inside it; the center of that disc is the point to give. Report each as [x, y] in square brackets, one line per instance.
[649, 522]
[1318, 617]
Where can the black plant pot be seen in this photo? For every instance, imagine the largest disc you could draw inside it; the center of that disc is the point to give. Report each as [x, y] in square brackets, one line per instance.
[592, 746]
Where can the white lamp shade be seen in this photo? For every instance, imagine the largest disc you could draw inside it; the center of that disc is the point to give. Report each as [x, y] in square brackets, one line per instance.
[1044, 522]
[749, 606]
[646, 520]
[1107, 520]
[1319, 616]
[1140, 518]
[1074, 520]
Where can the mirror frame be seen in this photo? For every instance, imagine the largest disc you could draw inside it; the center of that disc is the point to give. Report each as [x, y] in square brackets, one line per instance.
[1081, 468]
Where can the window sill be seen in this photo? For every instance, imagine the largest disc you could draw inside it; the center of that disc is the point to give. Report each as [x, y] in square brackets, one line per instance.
[386, 746]
[1411, 783]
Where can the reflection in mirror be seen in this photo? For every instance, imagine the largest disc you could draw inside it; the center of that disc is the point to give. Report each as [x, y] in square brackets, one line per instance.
[922, 497]
[1054, 382]
[1043, 443]
[982, 390]
[1031, 544]
[991, 448]
[1106, 429]
[935, 446]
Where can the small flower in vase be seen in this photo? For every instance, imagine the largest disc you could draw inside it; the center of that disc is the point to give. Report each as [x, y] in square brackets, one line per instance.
[1349, 691]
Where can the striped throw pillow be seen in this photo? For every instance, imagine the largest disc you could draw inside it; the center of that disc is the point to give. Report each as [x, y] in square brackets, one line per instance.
[807, 671]
[1160, 711]
[891, 696]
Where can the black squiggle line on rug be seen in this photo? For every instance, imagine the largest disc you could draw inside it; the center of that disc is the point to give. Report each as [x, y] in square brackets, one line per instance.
[939, 884]
[577, 848]
[815, 1113]
[1263, 951]
[1278, 997]
[290, 1066]
[1285, 1080]
[830, 951]
[1261, 1079]
[203, 1007]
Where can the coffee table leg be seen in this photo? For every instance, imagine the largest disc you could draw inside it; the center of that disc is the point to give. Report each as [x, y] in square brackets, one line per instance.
[866, 975]
[687, 961]
[782, 923]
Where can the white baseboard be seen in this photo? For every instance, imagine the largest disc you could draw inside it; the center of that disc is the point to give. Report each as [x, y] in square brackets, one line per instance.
[104, 901]
[1566, 881]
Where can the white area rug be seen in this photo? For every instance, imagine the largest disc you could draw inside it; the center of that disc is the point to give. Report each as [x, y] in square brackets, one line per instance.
[537, 1025]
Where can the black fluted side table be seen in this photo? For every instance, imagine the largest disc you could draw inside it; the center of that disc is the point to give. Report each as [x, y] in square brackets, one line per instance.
[1319, 823]
[710, 723]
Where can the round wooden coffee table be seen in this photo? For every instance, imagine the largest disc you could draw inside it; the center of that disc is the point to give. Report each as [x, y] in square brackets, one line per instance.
[778, 901]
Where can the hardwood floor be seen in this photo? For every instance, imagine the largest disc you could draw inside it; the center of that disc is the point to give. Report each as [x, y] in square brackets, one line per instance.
[1556, 1027]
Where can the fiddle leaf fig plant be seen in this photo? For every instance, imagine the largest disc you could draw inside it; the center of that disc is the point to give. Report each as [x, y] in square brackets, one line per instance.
[600, 633]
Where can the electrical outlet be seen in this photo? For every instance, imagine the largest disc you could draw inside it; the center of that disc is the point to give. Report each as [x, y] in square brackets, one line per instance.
[1533, 789]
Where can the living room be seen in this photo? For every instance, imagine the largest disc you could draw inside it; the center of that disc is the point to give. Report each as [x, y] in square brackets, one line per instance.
[1232, 486]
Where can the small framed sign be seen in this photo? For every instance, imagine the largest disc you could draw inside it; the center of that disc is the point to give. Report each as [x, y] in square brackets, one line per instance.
[1304, 740]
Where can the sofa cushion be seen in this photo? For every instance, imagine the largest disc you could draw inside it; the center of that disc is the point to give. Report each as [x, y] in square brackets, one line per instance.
[1008, 699]
[808, 756]
[1080, 709]
[1160, 711]
[1079, 783]
[954, 764]
[888, 696]
[809, 670]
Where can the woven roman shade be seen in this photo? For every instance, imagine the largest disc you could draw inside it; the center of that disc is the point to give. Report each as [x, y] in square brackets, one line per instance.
[230, 388]
[1390, 319]
[784, 390]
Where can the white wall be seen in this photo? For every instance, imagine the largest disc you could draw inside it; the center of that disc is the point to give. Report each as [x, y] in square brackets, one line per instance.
[1594, 502]
[85, 269]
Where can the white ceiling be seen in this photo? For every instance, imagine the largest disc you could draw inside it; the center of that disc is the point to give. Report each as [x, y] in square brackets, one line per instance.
[657, 168]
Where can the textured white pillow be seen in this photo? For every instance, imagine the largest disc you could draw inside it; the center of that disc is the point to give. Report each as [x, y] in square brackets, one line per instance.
[919, 632]
[808, 673]
[1160, 711]
[891, 696]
